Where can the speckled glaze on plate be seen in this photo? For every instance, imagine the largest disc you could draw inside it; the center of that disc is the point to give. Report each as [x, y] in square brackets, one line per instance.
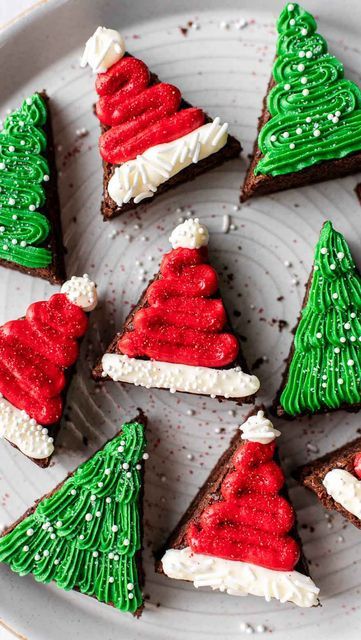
[263, 252]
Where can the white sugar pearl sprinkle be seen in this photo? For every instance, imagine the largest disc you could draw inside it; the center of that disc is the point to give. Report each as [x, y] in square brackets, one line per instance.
[88, 517]
[30, 532]
[287, 87]
[114, 528]
[305, 92]
[292, 145]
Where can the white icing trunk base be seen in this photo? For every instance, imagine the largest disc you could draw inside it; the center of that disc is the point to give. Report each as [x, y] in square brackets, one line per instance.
[239, 578]
[17, 427]
[228, 383]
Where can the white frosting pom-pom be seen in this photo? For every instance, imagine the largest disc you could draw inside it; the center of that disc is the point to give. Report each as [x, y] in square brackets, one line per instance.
[259, 429]
[81, 291]
[191, 234]
[103, 49]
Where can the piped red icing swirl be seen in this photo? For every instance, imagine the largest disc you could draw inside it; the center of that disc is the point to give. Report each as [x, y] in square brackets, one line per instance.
[251, 521]
[357, 464]
[140, 116]
[35, 350]
[183, 321]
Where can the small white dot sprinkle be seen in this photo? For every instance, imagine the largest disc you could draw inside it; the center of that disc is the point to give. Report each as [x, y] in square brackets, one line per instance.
[305, 92]
[130, 586]
[287, 87]
[332, 267]
[350, 362]
[347, 325]
[273, 138]
[292, 145]
[88, 517]
[111, 579]
[125, 465]
[337, 114]
[298, 130]
[340, 381]
[340, 255]
[301, 67]
[335, 120]
[93, 497]
[304, 32]
[286, 134]
[107, 471]
[114, 528]
[318, 335]
[25, 548]
[126, 542]
[337, 349]
[46, 178]
[335, 296]
[130, 596]
[308, 54]
[73, 492]
[301, 54]
[291, 7]
[46, 553]
[37, 557]
[108, 500]
[304, 80]
[292, 22]
[343, 339]
[32, 207]
[98, 514]
[30, 532]
[308, 119]
[145, 456]
[56, 561]
[324, 251]
[95, 554]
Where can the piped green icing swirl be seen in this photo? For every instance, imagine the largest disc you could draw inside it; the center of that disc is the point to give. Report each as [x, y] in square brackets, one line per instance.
[315, 111]
[325, 370]
[87, 534]
[23, 170]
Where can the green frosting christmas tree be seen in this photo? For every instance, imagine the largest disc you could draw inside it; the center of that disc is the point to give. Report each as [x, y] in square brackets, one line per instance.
[24, 171]
[87, 534]
[315, 111]
[325, 370]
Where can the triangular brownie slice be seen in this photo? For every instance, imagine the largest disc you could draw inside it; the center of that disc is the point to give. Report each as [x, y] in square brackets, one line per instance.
[151, 139]
[323, 371]
[37, 355]
[30, 226]
[86, 534]
[178, 336]
[335, 478]
[310, 127]
[239, 533]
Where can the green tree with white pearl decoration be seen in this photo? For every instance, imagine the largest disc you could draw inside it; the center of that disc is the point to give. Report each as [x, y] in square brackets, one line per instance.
[325, 369]
[86, 534]
[315, 113]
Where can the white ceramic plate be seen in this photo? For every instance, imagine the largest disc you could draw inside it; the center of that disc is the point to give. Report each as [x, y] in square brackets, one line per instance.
[226, 71]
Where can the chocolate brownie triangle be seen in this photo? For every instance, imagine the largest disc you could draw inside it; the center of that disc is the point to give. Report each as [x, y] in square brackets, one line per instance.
[310, 126]
[86, 534]
[151, 138]
[178, 336]
[323, 369]
[335, 478]
[30, 225]
[239, 534]
[37, 357]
